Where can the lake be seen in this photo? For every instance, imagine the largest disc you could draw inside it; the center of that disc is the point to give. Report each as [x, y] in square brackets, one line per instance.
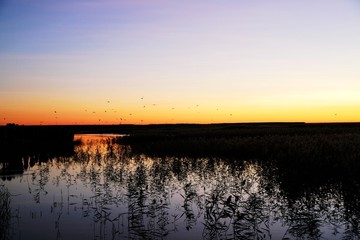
[102, 190]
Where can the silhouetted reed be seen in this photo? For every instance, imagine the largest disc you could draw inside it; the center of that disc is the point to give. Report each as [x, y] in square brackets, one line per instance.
[331, 149]
[131, 195]
[23, 147]
[5, 213]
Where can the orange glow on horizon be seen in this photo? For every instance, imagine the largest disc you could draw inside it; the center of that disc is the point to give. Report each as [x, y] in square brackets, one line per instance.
[70, 116]
[166, 62]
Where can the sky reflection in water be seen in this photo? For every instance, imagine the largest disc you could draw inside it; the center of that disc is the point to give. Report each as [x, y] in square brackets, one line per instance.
[105, 192]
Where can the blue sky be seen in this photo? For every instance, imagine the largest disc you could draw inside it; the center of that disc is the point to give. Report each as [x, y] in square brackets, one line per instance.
[255, 60]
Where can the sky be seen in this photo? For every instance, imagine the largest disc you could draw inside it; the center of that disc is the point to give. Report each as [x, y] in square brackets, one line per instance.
[167, 61]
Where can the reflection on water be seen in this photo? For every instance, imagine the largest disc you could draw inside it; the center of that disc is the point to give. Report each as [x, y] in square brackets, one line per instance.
[104, 192]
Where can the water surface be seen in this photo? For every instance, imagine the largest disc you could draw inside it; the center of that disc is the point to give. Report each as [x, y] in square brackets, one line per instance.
[103, 191]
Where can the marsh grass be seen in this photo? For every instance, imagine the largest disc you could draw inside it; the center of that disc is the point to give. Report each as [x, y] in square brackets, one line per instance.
[234, 183]
[5, 213]
[329, 149]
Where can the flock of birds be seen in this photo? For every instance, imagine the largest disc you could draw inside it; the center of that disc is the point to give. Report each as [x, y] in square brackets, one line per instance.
[128, 117]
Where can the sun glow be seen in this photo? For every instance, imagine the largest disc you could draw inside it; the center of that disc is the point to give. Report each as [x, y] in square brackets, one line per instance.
[164, 62]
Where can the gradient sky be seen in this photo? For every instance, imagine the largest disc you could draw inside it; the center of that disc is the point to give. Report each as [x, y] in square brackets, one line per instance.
[165, 61]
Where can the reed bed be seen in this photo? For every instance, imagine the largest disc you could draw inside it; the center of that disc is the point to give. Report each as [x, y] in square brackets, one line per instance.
[315, 151]
[5, 212]
[135, 196]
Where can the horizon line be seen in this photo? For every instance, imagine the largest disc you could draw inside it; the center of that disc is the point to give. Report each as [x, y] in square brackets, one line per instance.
[180, 123]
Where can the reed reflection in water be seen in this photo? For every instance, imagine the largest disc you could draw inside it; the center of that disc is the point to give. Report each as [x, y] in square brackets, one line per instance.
[105, 192]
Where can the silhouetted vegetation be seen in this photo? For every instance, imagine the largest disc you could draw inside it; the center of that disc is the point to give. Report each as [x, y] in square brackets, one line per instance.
[231, 199]
[227, 181]
[332, 149]
[21, 147]
[5, 213]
